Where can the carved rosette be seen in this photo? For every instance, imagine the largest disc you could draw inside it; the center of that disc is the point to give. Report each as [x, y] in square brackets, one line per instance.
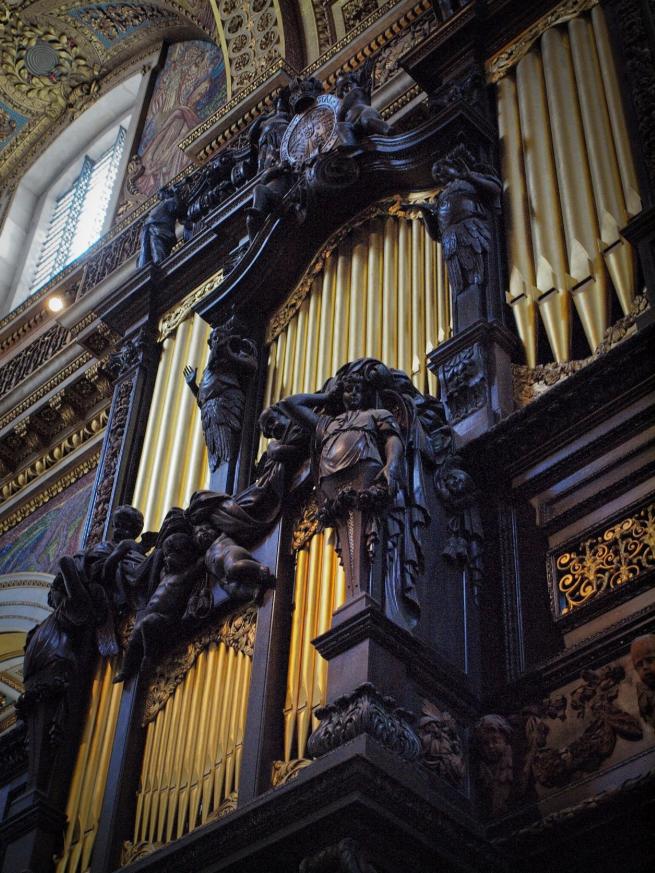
[365, 711]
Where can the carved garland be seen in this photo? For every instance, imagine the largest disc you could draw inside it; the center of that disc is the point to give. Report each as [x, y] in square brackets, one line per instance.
[238, 631]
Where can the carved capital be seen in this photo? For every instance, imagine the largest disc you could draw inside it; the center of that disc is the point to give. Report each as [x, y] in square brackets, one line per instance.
[365, 711]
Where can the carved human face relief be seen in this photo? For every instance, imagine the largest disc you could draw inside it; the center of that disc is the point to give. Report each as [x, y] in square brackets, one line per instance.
[642, 652]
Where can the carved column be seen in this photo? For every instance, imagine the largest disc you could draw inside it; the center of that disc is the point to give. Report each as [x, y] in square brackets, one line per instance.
[632, 30]
[132, 369]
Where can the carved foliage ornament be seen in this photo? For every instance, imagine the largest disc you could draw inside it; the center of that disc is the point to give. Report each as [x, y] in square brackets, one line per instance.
[365, 711]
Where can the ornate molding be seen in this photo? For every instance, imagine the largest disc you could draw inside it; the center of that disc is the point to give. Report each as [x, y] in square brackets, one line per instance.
[32, 357]
[503, 61]
[46, 388]
[365, 711]
[131, 852]
[48, 493]
[52, 457]
[237, 631]
[172, 319]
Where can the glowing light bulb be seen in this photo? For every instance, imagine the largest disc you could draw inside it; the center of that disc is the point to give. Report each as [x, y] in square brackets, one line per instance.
[55, 304]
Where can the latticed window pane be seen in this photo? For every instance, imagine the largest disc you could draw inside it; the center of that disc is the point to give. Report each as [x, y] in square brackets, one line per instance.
[79, 213]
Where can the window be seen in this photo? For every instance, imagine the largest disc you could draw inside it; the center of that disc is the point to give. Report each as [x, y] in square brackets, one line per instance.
[79, 213]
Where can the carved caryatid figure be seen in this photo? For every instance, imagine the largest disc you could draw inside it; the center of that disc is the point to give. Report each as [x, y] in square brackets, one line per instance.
[363, 462]
[460, 218]
[221, 393]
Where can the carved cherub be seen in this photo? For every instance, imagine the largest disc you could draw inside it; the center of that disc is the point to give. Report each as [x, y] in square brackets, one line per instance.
[460, 218]
[180, 565]
[642, 653]
[493, 740]
[221, 393]
[354, 90]
[268, 196]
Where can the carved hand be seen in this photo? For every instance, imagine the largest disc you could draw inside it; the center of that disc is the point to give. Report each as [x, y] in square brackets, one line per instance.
[190, 374]
[393, 473]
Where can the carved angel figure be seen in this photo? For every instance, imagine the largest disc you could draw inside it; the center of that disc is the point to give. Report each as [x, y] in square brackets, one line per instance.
[354, 90]
[158, 232]
[221, 395]
[368, 478]
[460, 218]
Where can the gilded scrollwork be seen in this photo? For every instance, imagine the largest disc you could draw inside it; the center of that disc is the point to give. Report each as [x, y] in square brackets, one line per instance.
[174, 317]
[620, 554]
[306, 526]
[286, 771]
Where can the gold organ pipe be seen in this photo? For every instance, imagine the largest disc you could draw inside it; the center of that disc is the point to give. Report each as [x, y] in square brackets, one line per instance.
[307, 653]
[167, 435]
[404, 358]
[603, 165]
[324, 363]
[208, 688]
[233, 722]
[151, 800]
[145, 772]
[90, 774]
[418, 305]
[289, 358]
[196, 678]
[341, 311]
[161, 800]
[357, 293]
[615, 110]
[390, 300]
[293, 670]
[242, 720]
[300, 357]
[374, 292]
[522, 285]
[175, 438]
[324, 618]
[313, 325]
[221, 749]
[576, 195]
[547, 237]
[220, 654]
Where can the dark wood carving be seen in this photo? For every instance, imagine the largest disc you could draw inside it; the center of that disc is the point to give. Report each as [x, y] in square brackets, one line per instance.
[365, 711]
[221, 393]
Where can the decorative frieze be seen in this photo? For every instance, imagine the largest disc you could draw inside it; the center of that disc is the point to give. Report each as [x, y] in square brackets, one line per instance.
[620, 554]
